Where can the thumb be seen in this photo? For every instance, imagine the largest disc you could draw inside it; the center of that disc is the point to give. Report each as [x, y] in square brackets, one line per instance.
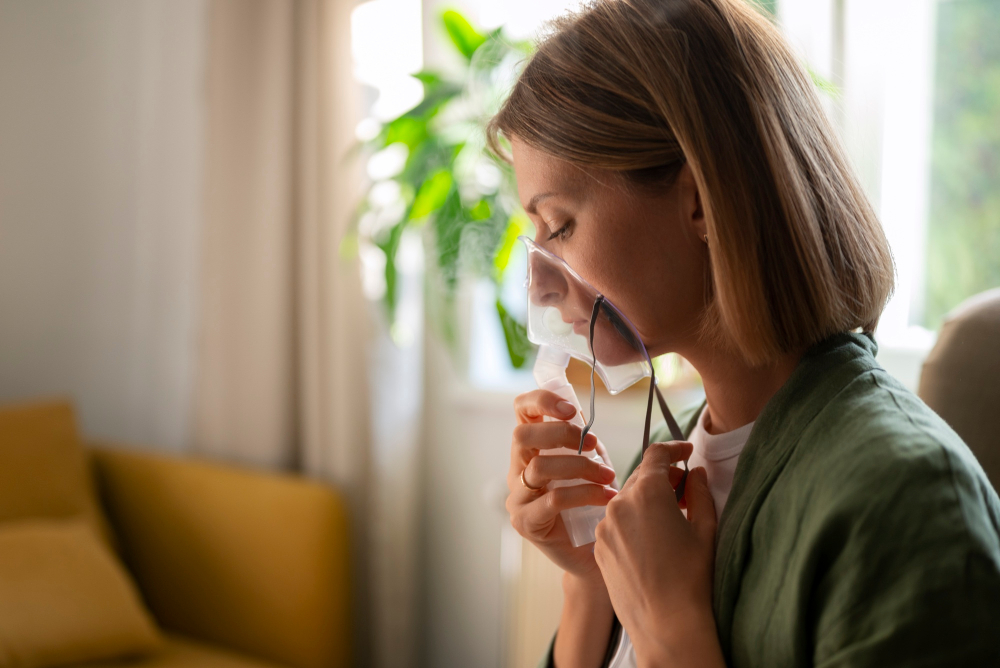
[700, 505]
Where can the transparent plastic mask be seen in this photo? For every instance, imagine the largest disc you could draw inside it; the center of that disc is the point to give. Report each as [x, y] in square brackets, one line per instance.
[561, 314]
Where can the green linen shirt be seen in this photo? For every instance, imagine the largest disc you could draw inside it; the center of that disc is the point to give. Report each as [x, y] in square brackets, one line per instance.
[860, 530]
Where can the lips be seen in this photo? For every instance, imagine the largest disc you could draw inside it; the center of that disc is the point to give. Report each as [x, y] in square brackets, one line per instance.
[581, 327]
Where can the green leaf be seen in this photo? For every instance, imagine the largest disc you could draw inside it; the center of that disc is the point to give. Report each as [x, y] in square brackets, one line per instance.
[389, 247]
[425, 160]
[428, 78]
[517, 224]
[431, 195]
[448, 225]
[435, 97]
[408, 130]
[465, 38]
[516, 336]
[481, 211]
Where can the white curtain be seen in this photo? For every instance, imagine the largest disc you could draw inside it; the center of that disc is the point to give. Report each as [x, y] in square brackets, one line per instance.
[284, 354]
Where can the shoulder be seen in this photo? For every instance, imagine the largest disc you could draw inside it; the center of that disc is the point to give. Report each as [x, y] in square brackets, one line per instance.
[877, 431]
[898, 519]
[883, 471]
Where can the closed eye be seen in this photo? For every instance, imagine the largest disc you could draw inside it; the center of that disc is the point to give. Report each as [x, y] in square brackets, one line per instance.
[562, 232]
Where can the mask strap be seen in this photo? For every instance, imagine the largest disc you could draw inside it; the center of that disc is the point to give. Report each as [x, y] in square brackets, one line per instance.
[593, 365]
[675, 430]
[649, 411]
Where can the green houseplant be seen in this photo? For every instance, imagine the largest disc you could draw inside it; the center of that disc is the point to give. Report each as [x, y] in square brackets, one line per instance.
[447, 181]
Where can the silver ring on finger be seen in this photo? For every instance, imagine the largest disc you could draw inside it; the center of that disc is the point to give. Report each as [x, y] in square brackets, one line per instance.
[529, 487]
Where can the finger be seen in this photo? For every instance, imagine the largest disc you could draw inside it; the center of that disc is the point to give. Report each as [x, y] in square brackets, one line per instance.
[529, 438]
[665, 454]
[602, 451]
[676, 475]
[520, 497]
[657, 456]
[700, 505]
[540, 513]
[543, 470]
[536, 405]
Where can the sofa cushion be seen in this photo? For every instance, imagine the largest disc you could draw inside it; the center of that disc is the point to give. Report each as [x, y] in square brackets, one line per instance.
[181, 652]
[255, 562]
[43, 467]
[64, 598]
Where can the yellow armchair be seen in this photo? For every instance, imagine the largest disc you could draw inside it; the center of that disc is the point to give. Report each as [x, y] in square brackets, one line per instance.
[230, 560]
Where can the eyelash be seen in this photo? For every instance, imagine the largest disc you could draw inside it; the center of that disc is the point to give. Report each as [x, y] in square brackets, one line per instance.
[561, 232]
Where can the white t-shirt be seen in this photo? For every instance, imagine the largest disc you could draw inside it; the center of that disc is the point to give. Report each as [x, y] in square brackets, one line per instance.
[718, 453]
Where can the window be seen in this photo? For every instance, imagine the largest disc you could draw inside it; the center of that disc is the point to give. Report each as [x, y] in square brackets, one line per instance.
[963, 226]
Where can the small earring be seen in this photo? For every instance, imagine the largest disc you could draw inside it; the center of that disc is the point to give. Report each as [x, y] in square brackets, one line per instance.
[706, 238]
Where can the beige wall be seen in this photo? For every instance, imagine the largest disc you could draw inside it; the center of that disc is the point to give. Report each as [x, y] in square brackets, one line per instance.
[100, 151]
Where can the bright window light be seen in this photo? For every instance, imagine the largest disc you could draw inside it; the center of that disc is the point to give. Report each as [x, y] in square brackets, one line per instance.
[522, 18]
[387, 46]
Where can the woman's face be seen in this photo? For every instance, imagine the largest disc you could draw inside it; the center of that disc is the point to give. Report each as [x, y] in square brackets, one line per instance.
[642, 250]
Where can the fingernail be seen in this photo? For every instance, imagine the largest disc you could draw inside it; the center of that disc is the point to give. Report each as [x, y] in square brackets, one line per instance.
[610, 492]
[607, 473]
[566, 408]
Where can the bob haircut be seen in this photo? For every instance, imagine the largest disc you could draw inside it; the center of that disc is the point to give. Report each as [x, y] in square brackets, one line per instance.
[642, 87]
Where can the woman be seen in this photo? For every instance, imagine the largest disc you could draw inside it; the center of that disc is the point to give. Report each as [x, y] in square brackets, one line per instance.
[675, 154]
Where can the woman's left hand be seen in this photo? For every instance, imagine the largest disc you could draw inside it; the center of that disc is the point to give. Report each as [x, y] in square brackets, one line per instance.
[658, 565]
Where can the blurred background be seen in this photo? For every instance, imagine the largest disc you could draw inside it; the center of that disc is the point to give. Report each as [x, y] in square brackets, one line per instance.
[265, 234]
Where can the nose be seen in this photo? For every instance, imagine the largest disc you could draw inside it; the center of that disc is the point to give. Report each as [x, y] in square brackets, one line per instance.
[548, 286]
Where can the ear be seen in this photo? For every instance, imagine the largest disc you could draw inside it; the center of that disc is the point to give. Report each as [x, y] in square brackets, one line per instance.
[691, 201]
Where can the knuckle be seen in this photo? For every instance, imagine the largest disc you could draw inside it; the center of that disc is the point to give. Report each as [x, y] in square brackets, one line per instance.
[521, 432]
[658, 450]
[534, 470]
[613, 510]
[555, 498]
[570, 431]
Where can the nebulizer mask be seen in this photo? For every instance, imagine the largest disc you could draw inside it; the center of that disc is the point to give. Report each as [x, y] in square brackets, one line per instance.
[568, 318]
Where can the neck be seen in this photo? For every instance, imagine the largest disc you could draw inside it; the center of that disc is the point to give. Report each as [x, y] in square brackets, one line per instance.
[737, 392]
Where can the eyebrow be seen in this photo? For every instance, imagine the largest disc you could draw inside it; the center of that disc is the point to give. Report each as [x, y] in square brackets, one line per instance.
[532, 206]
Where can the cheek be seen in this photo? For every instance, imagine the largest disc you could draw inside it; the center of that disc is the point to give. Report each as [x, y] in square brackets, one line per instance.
[657, 279]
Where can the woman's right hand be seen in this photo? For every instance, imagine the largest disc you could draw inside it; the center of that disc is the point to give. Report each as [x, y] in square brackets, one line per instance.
[535, 514]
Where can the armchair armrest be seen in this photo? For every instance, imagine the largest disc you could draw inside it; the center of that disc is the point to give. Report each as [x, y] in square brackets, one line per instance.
[252, 561]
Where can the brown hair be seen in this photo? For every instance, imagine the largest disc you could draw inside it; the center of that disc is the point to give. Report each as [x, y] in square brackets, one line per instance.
[642, 87]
